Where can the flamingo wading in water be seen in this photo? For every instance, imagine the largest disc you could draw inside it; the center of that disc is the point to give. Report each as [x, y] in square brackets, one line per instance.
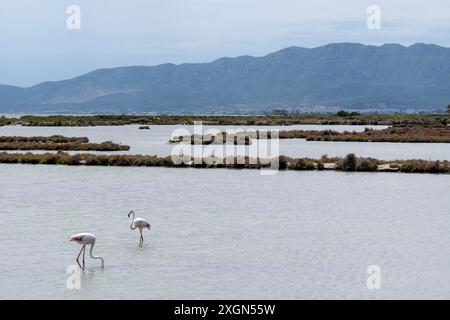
[85, 239]
[140, 224]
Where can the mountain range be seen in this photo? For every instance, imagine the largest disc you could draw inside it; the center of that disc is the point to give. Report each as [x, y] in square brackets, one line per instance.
[342, 75]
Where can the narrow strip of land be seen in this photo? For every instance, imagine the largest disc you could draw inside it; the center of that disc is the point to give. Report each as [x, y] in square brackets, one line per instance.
[410, 134]
[267, 120]
[221, 138]
[58, 143]
[348, 163]
[42, 139]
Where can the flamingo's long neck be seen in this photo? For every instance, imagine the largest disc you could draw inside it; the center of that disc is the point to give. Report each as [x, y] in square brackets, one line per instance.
[94, 257]
[132, 227]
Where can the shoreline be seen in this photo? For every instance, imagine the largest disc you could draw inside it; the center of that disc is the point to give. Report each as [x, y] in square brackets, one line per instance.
[256, 120]
[394, 134]
[350, 163]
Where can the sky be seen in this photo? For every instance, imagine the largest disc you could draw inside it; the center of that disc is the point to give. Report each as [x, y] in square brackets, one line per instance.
[37, 46]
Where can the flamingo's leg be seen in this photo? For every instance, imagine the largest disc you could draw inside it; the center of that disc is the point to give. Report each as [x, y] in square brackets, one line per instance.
[78, 257]
[141, 240]
[84, 254]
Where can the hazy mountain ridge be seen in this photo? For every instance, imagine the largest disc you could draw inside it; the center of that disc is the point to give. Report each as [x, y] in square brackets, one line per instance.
[335, 75]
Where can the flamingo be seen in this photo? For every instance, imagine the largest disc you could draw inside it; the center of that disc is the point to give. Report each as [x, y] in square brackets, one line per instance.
[85, 239]
[140, 224]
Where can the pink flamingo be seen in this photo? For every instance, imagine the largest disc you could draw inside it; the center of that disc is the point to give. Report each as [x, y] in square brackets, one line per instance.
[85, 239]
[140, 224]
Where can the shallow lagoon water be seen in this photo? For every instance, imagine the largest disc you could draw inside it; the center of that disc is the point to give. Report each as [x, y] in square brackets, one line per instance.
[155, 141]
[225, 233]
[220, 234]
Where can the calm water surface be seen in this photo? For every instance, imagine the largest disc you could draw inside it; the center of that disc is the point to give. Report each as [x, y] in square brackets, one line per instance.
[220, 234]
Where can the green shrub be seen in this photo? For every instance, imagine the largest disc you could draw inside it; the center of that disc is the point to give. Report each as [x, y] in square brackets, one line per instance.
[349, 162]
[299, 164]
[283, 162]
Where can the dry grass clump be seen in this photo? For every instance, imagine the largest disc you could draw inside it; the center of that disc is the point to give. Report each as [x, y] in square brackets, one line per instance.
[243, 138]
[40, 139]
[56, 143]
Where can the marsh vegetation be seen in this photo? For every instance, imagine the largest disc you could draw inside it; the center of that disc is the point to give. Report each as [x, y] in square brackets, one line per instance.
[411, 134]
[254, 120]
[406, 134]
[240, 138]
[56, 143]
[348, 163]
